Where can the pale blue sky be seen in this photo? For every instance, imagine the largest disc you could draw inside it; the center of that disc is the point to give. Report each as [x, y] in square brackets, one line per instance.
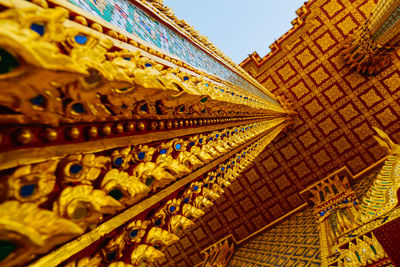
[238, 27]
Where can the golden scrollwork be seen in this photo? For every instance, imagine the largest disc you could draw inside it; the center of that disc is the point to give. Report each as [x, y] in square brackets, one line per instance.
[123, 187]
[191, 212]
[162, 238]
[178, 224]
[32, 183]
[85, 262]
[83, 169]
[27, 230]
[145, 255]
[153, 175]
[84, 205]
[120, 264]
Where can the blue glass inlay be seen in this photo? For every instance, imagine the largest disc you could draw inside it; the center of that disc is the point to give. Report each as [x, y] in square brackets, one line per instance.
[118, 161]
[238, 157]
[206, 84]
[78, 108]
[163, 151]
[38, 28]
[143, 107]
[211, 178]
[127, 58]
[75, 168]
[186, 78]
[191, 144]
[147, 65]
[80, 39]
[205, 185]
[222, 90]
[141, 155]
[178, 146]
[172, 209]
[196, 188]
[200, 140]
[217, 135]
[233, 162]
[133, 233]
[186, 200]
[222, 169]
[27, 190]
[38, 100]
[157, 222]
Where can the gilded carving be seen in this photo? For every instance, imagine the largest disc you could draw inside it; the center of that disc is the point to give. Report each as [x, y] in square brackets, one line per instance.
[348, 112]
[32, 183]
[153, 175]
[325, 41]
[135, 231]
[319, 75]
[363, 131]
[313, 107]
[161, 238]
[321, 157]
[286, 72]
[145, 255]
[85, 262]
[332, 7]
[307, 139]
[305, 57]
[29, 230]
[386, 117]
[191, 212]
[393, 82]
[123, 187]
[347, 25]
[84, 205]
[370, 98]
[341, 144]
[327, 125]
[300, 90]
[333, 93]
[83, 169]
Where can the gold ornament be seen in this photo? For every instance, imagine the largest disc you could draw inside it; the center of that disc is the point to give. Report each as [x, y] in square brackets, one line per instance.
[30, 230]
[84, 205]
[33, 183]
[123, 187]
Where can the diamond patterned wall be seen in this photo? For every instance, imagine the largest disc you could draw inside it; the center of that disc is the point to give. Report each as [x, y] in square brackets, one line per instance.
[336, 111]
[295, 242]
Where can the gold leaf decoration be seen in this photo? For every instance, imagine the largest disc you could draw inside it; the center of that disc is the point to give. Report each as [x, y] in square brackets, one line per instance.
[145, 255]
[84, 205]
[161, 237]
[32, 230]
[32, 183]
[123, 187]
[152, 174]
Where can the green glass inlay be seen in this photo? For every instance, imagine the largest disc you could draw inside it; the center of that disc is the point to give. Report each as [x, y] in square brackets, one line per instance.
[6, 248]
[7, 62]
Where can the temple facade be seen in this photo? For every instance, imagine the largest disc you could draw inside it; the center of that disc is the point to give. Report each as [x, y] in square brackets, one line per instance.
[128, 139]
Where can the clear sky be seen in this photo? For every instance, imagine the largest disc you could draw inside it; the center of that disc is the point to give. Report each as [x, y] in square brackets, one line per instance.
[238, 27]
